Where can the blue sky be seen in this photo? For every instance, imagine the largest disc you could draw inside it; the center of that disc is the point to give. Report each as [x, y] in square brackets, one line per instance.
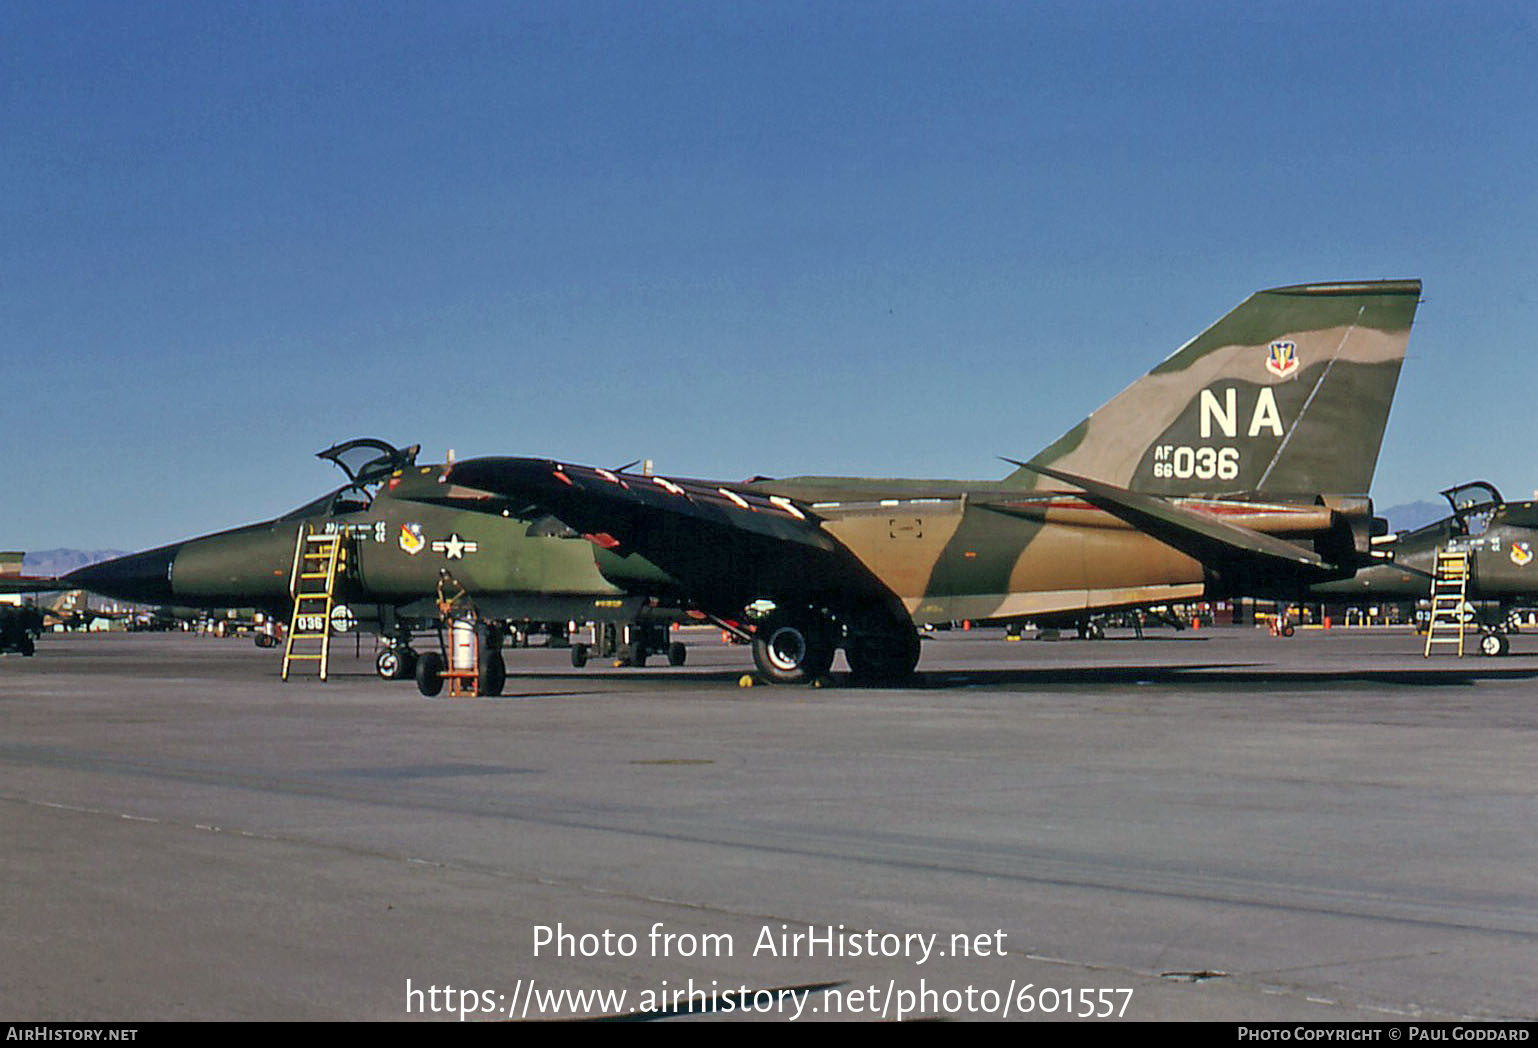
[884, 238]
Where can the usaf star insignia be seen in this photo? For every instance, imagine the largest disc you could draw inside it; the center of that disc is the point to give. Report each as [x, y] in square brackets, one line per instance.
[454, 547]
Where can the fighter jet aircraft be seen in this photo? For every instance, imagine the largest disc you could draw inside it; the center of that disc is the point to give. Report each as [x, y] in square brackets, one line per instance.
[405, 529]
[1500, 539]
[1240, 465]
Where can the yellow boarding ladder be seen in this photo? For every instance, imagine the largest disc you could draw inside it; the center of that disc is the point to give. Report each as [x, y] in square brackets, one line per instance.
[1449, 590]
[318, 558]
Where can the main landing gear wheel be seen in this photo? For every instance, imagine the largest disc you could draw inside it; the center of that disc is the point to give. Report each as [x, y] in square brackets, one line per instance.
[396, 663]
[793, 649]
[492, 673]
[882, 658]
[490, 667]
[1494, 644]
[579, 655]
[430, 674]
[677, 653]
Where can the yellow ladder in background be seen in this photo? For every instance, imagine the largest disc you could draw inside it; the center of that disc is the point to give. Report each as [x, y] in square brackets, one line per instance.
[317, 560]
[1449, 592]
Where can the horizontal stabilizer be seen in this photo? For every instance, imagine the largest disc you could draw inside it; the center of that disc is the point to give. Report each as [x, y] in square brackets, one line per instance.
[1205, 538]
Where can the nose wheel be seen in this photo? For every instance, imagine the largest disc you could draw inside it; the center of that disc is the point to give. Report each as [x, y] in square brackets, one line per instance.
[396, 663]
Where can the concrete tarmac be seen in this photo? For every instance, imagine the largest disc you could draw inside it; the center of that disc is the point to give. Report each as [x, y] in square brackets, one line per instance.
[1210, 825]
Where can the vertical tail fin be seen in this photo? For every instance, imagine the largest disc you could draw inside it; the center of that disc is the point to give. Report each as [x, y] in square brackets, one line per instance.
[1287, 394]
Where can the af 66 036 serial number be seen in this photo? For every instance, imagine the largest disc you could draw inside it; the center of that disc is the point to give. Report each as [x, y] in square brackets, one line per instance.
[1205, 463]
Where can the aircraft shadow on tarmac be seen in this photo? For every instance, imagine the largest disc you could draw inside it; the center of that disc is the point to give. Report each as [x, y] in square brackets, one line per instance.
[1218, 675]
[1225, 676]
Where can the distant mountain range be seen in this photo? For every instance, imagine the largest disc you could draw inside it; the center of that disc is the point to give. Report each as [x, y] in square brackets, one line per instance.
[62, 561]
[1413, 515]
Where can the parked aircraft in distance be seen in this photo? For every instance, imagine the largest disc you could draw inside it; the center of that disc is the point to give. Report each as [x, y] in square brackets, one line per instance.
[1499, 539]
[21, 624]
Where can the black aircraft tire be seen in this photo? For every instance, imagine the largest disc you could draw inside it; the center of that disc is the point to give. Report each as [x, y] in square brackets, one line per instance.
[391, 666]
[677, 653]
[430, 674]
[493, 673]
[792, 650]
[1494, 644]
[883, 659]
[636, 655]
[579, 655]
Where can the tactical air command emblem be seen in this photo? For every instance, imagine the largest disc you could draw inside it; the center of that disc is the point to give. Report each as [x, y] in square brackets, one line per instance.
[1521, 553]
[411, 539]
[1282, 361]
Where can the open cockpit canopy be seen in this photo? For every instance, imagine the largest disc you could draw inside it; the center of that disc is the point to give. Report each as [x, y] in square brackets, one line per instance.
[1472, 505]
[367, 463]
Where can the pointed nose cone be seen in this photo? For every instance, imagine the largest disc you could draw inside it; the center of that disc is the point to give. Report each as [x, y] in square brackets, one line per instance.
[141, 577]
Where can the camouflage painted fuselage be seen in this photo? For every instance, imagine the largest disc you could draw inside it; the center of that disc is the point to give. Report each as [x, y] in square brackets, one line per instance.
[991, 553]
[1240, 465]
[398, 543]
